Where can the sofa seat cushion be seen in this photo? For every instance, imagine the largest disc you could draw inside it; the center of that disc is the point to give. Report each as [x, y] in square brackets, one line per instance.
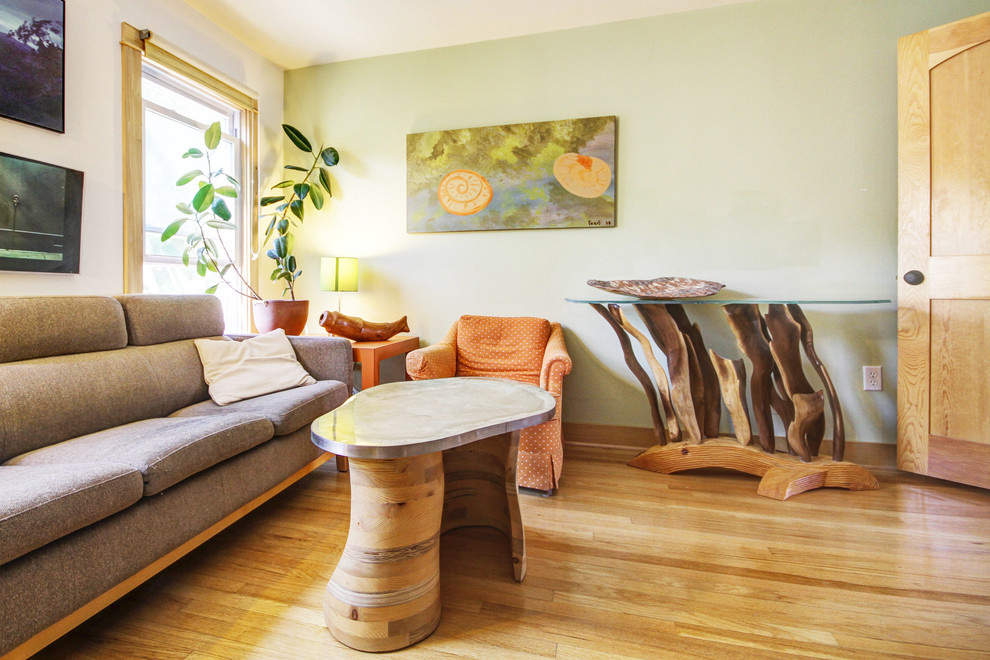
[165, 450]
[288, 410]
[41, 503]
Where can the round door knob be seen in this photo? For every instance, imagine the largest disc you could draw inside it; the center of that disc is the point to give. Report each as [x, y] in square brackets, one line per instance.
[914, 277]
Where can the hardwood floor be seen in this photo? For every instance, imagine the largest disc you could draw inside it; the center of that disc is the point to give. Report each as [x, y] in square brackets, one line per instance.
[622, 563]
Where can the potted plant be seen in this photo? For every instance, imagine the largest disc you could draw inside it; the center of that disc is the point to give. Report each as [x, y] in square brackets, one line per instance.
[208, 210]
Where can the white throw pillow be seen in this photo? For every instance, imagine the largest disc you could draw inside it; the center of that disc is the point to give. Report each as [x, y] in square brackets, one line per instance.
[237, 370]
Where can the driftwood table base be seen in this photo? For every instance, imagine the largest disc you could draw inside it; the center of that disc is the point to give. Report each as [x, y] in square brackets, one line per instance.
[783, 475]
[701, 380]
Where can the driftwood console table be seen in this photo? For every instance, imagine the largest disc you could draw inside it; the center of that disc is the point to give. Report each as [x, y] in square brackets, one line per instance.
[687, 409]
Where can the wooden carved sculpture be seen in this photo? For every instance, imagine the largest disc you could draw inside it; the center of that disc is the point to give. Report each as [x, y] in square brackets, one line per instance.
[358, 329]
[732, 381]
[711, 406]
[671, 341]
[613, 316]
[673, 428]
[745, 323]
[785, 345]
[808, 339]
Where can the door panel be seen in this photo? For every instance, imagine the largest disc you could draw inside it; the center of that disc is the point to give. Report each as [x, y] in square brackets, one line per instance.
[960, 139]
[960, 368]
[943, 344]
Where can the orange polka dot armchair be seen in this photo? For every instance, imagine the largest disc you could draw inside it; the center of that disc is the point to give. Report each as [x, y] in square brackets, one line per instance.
[525, 349]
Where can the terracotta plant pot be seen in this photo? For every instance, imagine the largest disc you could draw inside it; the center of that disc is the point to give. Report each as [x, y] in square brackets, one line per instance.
[290, 315]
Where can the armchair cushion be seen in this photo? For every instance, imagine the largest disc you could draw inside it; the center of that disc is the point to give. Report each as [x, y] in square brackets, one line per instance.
[502, 347]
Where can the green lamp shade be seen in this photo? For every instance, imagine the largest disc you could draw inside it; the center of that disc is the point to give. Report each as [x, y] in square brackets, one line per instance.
[339, 274]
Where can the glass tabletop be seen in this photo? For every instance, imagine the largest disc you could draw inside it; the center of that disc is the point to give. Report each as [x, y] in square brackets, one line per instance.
[716, 300]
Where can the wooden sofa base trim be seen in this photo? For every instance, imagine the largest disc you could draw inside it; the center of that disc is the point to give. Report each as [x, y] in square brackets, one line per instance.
[873, 454]
[56, 630]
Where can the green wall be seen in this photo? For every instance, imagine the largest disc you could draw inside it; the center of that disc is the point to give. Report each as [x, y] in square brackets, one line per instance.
[756, 147]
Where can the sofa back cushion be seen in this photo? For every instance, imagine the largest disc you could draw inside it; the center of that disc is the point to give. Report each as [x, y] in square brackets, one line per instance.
[502, 347]
[160, 318]
[41, 326]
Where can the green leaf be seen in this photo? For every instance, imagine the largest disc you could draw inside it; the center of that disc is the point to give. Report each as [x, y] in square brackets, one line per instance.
[290, 243]
[297, 208]
[212, 289]
[232, 181]
[211, 266]
[201, 268]
[281, 247]
[209, 247]
[212, 136]
[220, 224]
[271, 254]
[296, 168]
[223, 271]
[193, 239]
[297, 138]
[268, 201]
[283, 226]
[301, 190]
[220, 209]
[316, 197]
[193, 153]
[325, 180]
[290, 263]
[171, 230]
[184, 208]
[203, 198]
[227, 191]
[188, 176]
[284, 184]
[185, 257]
[330, 156]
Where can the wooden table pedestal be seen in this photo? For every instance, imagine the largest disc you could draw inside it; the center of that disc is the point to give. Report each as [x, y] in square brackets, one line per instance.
[426, 457]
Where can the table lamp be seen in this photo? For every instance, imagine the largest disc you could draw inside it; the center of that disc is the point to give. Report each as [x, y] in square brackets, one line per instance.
[339, 274]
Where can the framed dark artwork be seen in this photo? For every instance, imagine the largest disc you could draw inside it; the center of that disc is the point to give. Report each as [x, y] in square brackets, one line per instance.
[544, 175]
[40, 216]
[32, 62]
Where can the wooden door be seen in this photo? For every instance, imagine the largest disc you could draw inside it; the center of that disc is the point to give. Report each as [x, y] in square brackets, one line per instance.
[943, 297]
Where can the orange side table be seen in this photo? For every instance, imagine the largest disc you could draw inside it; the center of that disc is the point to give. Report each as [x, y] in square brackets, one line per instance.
[369, 354]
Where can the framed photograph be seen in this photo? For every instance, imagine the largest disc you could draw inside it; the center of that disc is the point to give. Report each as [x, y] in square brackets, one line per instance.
[32, 62]
[543, 175]
[40, 216]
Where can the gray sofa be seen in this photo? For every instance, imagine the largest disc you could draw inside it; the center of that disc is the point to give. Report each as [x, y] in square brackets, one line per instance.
[114, 462]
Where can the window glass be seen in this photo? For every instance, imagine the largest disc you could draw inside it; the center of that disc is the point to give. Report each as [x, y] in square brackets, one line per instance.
[175, 115]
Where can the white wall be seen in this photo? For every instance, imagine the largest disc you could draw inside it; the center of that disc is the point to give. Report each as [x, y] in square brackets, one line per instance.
[756, 147]
[92, 139]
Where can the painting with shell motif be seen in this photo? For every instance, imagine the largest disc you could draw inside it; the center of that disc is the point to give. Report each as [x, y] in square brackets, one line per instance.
[543, 175]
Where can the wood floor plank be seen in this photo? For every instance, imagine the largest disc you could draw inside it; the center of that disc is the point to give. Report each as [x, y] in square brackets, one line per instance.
[622, 563]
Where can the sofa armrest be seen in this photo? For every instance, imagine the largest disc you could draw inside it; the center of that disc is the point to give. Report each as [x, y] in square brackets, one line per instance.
[325, 358]
[556, 362]
[435, 361]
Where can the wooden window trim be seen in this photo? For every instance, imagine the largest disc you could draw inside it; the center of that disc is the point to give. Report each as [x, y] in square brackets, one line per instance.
[134, 49]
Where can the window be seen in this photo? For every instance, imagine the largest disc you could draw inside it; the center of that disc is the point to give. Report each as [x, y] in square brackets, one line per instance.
[168, 104]
[175, 115]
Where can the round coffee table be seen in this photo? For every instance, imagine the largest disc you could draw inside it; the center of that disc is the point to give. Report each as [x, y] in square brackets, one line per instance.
[425, 457]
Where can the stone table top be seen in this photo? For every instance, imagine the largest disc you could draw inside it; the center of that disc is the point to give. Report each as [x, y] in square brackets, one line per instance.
[411, 418]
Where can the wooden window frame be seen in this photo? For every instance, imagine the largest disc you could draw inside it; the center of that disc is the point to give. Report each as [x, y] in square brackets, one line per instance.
[136, 45]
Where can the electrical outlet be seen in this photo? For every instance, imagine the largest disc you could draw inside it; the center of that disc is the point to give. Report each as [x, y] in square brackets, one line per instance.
[872, 379]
